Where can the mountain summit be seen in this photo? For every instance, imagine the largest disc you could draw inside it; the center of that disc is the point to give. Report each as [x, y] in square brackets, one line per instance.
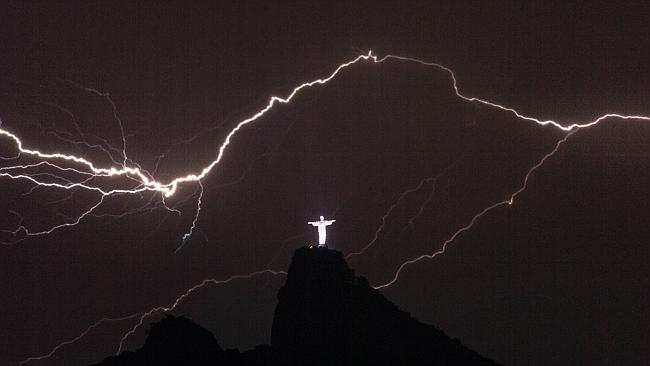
[325, 316]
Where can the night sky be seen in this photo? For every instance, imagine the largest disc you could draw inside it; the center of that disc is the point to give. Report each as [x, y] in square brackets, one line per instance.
[561, 277]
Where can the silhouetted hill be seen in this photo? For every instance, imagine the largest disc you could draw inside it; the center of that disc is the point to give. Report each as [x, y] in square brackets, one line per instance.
[325, 316]
[173, 341]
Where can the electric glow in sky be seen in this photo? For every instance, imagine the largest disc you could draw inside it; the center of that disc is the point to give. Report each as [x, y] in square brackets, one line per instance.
[145, 182]
[126, 177]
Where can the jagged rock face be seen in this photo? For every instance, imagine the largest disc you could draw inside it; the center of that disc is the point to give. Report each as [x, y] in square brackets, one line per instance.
[326, 315]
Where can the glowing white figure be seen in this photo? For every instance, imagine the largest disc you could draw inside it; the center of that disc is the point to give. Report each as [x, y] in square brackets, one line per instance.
[322, 224]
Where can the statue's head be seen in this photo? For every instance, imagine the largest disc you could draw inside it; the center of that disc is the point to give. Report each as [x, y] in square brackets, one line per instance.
[322, 218]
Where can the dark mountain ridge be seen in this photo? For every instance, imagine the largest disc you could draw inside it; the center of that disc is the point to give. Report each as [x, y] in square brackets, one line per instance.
[325, 316]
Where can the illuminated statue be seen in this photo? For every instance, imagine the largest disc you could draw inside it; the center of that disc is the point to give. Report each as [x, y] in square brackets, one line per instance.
[321, 229]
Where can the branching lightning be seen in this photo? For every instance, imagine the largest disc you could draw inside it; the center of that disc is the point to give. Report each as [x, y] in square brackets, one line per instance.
[387, 214]
[75, 339]
[147, 183]
[509, 201]
[187, 293]
[144, 315]
[68, 172]
[431, 181]
[188, 234]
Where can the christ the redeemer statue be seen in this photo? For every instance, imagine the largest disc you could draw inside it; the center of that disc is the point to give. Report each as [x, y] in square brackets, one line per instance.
[321, 229]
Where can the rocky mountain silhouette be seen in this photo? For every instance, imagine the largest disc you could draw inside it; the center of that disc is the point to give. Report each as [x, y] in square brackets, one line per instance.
[325, 316]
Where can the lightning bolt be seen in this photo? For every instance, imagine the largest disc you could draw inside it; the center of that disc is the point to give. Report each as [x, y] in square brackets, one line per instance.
[148, 184]
[509, 201]
[75, 339]
[144, 315]
[188, 234]
[187, 293]
[513, 111]
[431, 180]
[145, 182]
